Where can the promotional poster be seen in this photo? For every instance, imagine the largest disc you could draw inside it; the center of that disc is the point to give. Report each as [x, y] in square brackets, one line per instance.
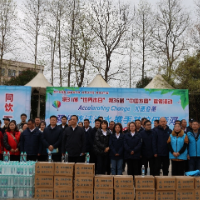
[117, 104]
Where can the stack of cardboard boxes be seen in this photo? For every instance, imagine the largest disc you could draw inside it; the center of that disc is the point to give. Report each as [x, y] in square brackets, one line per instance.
[84, 181]
[123, 186]
[54, 180]
[185, 188]
[63, 181]
[103, 187]
[165, 187]
[44, 173]
[145, 187]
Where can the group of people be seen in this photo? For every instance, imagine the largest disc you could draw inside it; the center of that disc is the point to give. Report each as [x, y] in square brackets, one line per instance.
[109, 145]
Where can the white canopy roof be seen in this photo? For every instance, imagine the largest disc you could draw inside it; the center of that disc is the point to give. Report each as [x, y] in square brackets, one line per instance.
[98, 81]
[159, 82]
[40, 83]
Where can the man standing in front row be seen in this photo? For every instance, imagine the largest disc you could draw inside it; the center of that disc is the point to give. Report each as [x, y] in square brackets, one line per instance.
[51, 139]
[30, 141]
[160, 147]
[74, 142]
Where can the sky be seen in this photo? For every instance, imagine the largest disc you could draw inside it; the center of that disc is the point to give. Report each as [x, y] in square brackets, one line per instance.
[189, 6]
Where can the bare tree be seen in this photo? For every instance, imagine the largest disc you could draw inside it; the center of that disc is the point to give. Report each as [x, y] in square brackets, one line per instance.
[109, 23]
[7, 29]
[169, 42]
[34, 16]
[142, 33]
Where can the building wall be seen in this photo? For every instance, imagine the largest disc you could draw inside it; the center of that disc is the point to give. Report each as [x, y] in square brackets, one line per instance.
[13, 68]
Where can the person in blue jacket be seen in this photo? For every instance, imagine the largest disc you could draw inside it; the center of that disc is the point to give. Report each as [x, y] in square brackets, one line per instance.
[160, 147]
[177, 144]
[51, 139]
[132, 149]
[147, 147]
[194, 147]
[116, 145]
[30, 141]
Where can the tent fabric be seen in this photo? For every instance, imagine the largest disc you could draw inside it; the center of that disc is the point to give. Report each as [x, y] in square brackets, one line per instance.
[39, 82]
[159, 82]
[98, 81]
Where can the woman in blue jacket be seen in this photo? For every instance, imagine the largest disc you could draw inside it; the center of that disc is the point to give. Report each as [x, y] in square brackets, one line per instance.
[132, 147]
[177, 144]
[116, 145]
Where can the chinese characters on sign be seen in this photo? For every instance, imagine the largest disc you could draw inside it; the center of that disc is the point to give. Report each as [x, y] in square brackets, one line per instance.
[9, 102]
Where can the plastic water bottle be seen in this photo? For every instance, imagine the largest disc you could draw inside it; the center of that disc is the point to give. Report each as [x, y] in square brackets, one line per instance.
[66, 157]
[148, 171]
[87, 158]
[8, 156]
[143, 170]
[25, 157]
[21, 157]
[5, 157]
[49, 156]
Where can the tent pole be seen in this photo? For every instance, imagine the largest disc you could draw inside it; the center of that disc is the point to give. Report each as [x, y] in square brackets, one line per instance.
[38, 109]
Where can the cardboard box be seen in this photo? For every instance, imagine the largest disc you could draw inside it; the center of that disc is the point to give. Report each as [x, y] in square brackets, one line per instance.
[103, 181]
[64, 169]
[103, 194]
[44, 168]
[184, 183]
[197, 194]
[165, 182]
[83, 194]
[144, 182]
[63, 193]
[84, 182]
[123, 182]
[63, 181]
[43, 193]
[196, 182]
[145, 194]
[44, 181]
[124, 194]
[165, 195]
[185, 194]
[83, 169]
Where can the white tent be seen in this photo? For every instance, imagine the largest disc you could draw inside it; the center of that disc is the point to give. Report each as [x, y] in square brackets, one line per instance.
[159, 82]
[98, 81]
[39, 82]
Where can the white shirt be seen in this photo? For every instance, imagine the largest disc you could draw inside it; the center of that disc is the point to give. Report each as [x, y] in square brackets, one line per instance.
[104, 132]
[117, 136]
[86, 129]
[132, 134]
[52, 127]
[31, 130]
[73, 128]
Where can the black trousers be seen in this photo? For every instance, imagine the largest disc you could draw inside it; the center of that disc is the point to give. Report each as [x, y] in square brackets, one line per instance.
[14, 158]
[55, 157]
[133, 167]
[42, 158]
[102, 163]
[151, 162]
[178, 168]
[31, 157]
[77, 159]
[162, 160]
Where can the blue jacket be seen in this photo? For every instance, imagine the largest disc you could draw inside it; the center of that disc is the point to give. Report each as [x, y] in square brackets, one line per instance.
[160, 137]
[30, 142]
[177, 144]
[52, 137]
[147, 143]
[193, 145]
[132, 144]
[116, 146]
